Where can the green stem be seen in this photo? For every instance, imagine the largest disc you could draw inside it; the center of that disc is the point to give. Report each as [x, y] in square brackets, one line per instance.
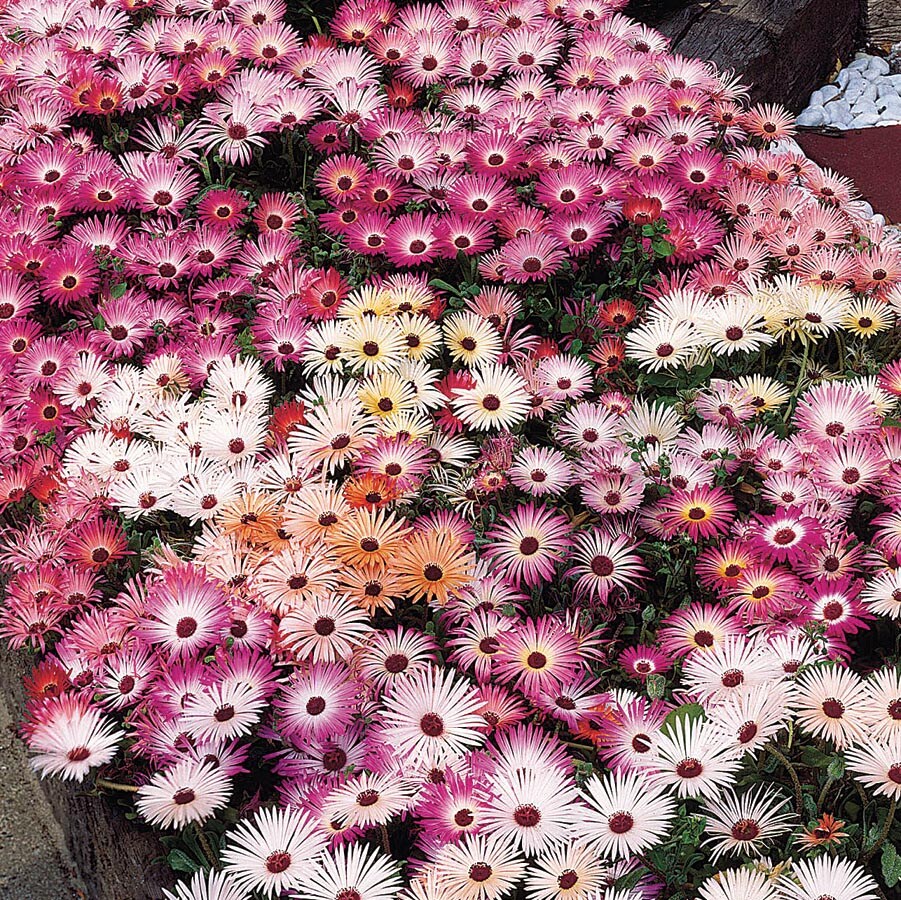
[799, 793]
[212, 859]
[103, 784]
[292, 163]
[823, 793]
[652, 868]
[803, 372]
[886, 826]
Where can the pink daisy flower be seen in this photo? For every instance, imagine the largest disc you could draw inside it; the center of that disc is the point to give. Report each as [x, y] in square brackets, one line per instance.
[529, 544]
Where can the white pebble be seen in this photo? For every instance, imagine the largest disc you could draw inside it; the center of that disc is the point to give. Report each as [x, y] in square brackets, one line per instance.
[865, 107]
[865, 120]
[861, 64]
[813, 116]
[853, 92]
[879, 66]
[887, 89]
[843, 78]
[823, 95]
[838, 108]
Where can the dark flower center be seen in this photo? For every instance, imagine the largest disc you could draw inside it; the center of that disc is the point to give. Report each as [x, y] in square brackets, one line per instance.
[278, 861]
[324, 626]
[368, 797]
[480, 872]
[396, 663]
[186, 627]
[745, 830]
[334, 760]
[463, 818]
[689, 768]
[432, 725]
[527, 815]
[621, 822]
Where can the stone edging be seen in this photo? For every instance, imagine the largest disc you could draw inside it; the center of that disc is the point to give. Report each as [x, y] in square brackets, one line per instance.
[112, 854]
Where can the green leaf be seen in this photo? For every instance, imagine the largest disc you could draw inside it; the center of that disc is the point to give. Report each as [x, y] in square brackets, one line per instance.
[576, 346]
[444, 286]
[98, 322]
[814, 758]
[663, 247]
[810, 806]
[118, 290]
[656, 684]
[891, 865]
[568, 324]
[181, 862]
[660, 379]
[836, 768]
[687, 712]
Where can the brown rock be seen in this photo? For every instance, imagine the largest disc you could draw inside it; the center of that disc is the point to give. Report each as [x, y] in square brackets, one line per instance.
[883, 22]
[783, 49]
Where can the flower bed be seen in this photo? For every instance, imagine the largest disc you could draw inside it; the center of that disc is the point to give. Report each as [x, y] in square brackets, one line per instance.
[451, 456]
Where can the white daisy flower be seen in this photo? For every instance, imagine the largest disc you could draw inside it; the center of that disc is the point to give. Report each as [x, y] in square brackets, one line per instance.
[694, 760]
[743, 825]
[185, 792]
[536, 809]
[273, 852]
[70, 739]
[356, 872]
[833, 703]
[209, 885]
[877, 764]
[628, 813]
[480, 867]
[827, 877]
[738, 884]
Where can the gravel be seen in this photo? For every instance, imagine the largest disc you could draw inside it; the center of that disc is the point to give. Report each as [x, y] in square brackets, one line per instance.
[865, 93]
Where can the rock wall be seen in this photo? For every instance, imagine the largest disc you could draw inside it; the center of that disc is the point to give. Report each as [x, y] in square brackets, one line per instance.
[116, 859]
[784, 49]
